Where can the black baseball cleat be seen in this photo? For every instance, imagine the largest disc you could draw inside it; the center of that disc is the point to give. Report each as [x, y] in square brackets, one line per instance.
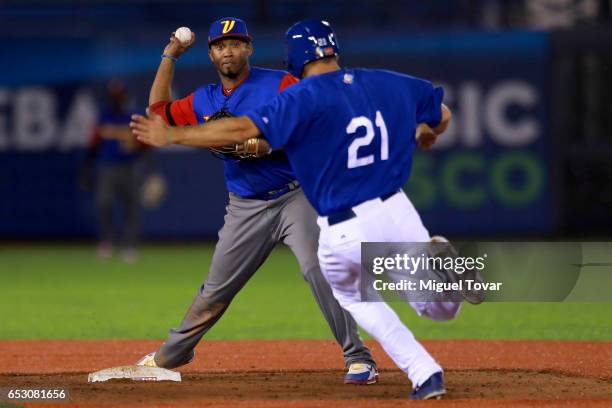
[445, 249]
[432, 388]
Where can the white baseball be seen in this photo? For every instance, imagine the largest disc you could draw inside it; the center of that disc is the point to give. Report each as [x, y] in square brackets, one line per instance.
[183, 34]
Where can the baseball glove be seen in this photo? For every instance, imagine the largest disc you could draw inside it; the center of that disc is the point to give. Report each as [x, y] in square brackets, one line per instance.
[252, 148]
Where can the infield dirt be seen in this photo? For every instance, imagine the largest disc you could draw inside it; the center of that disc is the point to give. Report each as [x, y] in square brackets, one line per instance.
[308, 373]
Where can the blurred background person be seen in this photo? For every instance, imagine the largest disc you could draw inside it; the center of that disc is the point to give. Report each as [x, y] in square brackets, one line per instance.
[119, 162]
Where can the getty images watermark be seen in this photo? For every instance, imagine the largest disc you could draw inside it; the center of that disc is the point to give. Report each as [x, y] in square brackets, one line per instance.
[494, 271]
[466, 270]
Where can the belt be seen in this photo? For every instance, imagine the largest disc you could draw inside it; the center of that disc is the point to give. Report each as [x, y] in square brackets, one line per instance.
[273, 194]
[337, 218]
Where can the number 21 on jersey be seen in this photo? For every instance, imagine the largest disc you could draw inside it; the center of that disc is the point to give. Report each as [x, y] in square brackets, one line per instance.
[354, 160]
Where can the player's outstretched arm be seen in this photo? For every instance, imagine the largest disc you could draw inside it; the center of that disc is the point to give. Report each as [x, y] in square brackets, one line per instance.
[154, 131]
[426, 136]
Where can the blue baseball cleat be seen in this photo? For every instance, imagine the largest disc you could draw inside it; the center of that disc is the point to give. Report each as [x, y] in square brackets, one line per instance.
[361, 374]
[432, 388]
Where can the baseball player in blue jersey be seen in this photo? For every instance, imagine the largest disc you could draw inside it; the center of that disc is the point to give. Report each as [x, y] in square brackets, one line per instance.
[349, 135]
[266, 205]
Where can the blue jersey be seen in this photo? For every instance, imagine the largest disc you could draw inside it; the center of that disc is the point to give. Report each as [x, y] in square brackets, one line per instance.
[251, 177]
[350, 134]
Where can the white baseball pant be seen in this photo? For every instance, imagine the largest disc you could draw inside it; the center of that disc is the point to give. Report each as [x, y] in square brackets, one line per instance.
[392, 220]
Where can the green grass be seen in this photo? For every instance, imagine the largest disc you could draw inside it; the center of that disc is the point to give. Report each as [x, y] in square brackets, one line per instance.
[64, 292]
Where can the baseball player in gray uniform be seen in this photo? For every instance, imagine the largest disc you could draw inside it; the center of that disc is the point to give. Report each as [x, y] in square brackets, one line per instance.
[266, 204]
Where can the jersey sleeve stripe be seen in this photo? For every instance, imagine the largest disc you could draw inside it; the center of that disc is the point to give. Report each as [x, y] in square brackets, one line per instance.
[171, 121]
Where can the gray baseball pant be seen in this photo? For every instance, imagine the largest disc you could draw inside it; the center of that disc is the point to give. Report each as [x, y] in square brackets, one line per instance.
[252, 228]
[119, 183]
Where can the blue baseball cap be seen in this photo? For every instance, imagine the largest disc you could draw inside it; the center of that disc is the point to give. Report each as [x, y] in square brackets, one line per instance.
[307, 41]
[228, 27]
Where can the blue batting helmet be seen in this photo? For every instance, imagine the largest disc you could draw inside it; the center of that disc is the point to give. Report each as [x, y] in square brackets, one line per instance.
[308, 41]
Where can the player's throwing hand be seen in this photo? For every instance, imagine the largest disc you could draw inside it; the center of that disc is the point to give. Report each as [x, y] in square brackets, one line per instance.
[152, 131]
[176, 48]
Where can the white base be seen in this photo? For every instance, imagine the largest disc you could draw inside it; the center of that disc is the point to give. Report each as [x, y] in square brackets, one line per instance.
[135, 373]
